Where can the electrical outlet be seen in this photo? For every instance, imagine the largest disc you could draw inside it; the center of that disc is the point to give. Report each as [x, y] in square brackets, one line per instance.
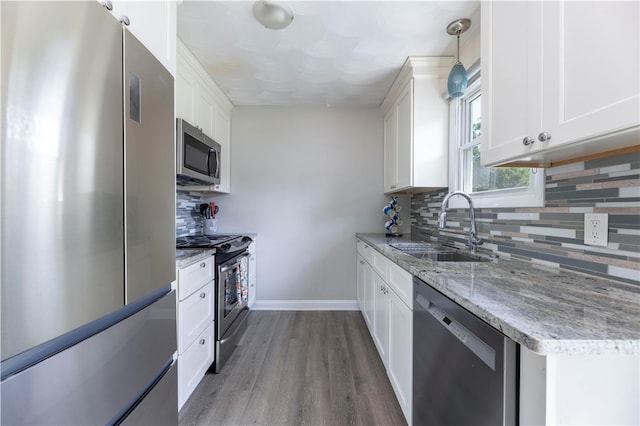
[596, 229]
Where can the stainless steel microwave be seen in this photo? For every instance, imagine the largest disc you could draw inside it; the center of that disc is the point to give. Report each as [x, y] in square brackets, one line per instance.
[197, 156]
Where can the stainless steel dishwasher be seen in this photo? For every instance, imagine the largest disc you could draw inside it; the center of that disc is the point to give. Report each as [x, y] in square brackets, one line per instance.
[464, 370]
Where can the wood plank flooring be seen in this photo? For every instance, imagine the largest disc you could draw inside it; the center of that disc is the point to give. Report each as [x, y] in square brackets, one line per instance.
[298, 368]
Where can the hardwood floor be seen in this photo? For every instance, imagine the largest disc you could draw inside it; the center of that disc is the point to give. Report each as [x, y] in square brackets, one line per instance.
[294, 368]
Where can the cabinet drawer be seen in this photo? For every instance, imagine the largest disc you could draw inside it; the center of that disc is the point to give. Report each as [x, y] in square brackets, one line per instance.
[401, 283]
[195, 313]
[380, 264]
[193, 364]
[365, 251]
[195, 276]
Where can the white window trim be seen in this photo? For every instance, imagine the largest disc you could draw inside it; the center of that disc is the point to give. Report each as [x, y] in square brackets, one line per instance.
[533, 196]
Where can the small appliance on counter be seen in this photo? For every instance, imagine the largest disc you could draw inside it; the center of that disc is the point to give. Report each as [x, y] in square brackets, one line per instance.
[392, 211]
[231, 292]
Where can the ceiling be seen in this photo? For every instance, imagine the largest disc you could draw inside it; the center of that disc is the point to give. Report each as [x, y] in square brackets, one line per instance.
[334, 53]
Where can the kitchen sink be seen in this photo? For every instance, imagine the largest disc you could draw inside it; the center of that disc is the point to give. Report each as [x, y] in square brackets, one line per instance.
[436, 252]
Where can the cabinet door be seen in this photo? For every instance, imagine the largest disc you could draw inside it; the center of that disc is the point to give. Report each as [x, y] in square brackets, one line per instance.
[399, 368]
[381, 317]
[223, 137]
[404, 132]
[360, 277]
[390, 154]
[368, 295]
[186, 83]
[195, 314]
[591, 67]
[154, 23]
[511, 79]
[193, 364]
[252, 274]
[205, 111]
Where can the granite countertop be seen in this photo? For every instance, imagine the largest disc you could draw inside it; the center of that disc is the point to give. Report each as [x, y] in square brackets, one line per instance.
[189, 256]
[549, 311]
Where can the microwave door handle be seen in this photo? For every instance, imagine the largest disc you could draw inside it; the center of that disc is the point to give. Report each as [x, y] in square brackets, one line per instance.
[217, 163]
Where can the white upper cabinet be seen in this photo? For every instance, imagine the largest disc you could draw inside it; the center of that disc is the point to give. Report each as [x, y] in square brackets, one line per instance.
[154, 23]
[565, 70]
[416, 123]
[200, 101]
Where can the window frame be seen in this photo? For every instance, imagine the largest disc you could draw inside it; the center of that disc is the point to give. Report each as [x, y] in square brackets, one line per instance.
[531, 196]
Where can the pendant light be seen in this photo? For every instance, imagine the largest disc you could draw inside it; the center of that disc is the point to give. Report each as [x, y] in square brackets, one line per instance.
[457, 81]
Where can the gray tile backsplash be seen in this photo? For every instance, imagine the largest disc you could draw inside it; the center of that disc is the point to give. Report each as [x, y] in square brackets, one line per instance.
[188, 218]
[553, 235]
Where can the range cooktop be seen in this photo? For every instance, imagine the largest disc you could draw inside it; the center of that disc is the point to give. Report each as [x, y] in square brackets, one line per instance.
[203, 241]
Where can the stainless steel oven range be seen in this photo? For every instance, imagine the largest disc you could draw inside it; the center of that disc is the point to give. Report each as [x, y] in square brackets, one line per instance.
[231, 289]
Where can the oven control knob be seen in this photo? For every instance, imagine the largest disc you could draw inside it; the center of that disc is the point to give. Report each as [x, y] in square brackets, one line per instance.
[225, 247]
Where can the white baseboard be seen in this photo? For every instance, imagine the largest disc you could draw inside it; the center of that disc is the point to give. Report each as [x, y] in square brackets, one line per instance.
[306, 305]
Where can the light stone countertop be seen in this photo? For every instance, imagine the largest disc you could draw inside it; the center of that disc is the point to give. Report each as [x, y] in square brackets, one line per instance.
[189, 256]
[549, 311]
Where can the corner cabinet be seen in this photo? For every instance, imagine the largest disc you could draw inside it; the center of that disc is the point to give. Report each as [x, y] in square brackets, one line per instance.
[559, 80]
[201, 102]
[385, 297]
[154, 23]
[416, 126]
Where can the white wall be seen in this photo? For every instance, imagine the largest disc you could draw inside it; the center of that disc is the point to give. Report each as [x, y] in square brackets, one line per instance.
[305, 180]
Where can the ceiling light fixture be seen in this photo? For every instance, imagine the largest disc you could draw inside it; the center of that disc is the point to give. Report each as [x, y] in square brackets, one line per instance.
[457, 81]
[273, 15]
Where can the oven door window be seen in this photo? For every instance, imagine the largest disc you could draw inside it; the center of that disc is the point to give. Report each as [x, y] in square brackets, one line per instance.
[235, 286]
[197, 155]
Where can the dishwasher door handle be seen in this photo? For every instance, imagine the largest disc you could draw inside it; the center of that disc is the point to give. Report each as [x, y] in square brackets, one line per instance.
[476, 345]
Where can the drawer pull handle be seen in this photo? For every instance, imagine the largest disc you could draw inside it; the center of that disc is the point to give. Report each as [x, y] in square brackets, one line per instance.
[203, 264]
[202, 341]
[203, 295]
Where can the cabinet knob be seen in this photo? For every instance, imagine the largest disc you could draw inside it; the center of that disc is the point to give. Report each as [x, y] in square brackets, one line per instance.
[125, 20]
[544, 137]
[393, 187]
[202, 341]
[528, 141]
[203, 295]
[362, 262]
[107, 5]
[203, 264]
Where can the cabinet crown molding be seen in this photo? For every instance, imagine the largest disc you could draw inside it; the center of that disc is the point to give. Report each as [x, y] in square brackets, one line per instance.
[418, 67]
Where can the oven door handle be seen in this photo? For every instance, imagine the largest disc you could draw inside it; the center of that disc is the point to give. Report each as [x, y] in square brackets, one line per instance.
[226, 268]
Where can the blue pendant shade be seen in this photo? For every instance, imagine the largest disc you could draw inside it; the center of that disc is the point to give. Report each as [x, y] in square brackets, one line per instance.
[457, 82]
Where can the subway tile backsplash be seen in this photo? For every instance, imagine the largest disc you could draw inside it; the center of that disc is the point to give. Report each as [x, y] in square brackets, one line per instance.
[553, 235]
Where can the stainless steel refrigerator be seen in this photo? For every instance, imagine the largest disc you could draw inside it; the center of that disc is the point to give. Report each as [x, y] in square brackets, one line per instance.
[88, 317]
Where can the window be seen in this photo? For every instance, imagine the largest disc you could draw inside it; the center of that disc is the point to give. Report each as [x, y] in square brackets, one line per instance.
[488, 186]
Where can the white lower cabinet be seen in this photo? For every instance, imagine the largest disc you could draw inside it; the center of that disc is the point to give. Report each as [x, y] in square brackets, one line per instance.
[195, 325]
[381, 317]
[399, 366]
[387, 307]
[193, 364]
[252, 274]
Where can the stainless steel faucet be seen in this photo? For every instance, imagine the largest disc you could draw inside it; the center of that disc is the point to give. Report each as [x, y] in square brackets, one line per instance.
[474, 241]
